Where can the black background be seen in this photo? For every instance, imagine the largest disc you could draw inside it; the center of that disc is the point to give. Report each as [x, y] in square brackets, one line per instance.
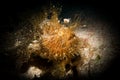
[10, 10]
